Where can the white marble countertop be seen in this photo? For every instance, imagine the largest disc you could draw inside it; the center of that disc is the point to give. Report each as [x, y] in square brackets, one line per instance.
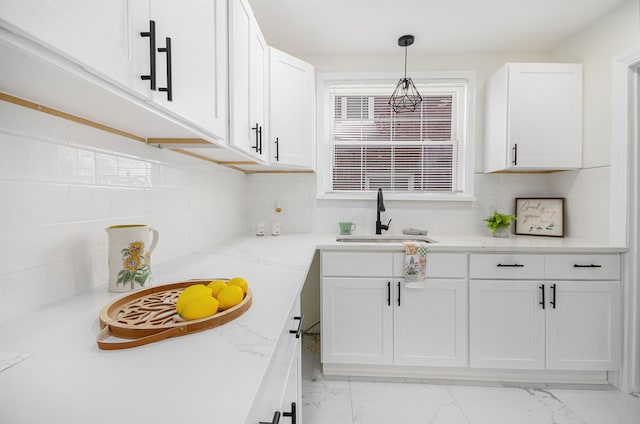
[211, 376]
[486, 244]
[208, 377]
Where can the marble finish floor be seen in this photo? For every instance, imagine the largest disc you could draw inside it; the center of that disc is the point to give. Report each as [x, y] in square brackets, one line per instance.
[352, 400]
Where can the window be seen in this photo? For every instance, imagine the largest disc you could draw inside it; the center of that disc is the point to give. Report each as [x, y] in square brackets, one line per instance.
[364, 145]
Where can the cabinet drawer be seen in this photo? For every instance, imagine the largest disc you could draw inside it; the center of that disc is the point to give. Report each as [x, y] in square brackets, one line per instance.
[357, 264]
[582, 267]
[439, 265]
[272, 389]
[506, 266]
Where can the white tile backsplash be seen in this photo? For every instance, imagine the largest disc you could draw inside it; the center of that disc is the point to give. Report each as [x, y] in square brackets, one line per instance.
[586, 193]
[62, 184]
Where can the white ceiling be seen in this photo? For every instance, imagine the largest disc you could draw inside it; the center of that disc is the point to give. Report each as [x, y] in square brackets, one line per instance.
[372, 27]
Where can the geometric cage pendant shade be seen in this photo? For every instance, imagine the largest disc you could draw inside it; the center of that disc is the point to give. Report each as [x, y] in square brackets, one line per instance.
[405, 97]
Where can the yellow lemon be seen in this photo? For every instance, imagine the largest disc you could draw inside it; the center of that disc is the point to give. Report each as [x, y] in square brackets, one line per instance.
[200, 307]
[191, 292]
[240, 282]
[216, 286]
[230, 296]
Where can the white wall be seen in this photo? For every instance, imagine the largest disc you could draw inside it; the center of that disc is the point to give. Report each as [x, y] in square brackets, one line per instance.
[62, 184]
[595, 47]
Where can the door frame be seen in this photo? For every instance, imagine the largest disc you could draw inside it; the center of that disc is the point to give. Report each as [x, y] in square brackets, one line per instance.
[624, 209]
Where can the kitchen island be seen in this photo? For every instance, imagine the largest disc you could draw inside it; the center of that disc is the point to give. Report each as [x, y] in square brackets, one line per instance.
[214, 376]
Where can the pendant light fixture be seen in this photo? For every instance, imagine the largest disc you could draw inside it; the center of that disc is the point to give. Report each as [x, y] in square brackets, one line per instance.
[405, 97]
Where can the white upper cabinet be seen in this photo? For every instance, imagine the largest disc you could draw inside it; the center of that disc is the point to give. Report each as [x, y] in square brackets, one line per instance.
[101, 36]
[248, 57]
[291, 109]
[198, 61]
[533, 117]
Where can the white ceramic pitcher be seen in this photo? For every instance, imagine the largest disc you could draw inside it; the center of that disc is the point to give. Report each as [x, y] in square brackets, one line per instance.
[130, 256]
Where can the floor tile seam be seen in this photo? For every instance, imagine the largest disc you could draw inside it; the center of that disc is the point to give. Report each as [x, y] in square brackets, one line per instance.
[457, 402]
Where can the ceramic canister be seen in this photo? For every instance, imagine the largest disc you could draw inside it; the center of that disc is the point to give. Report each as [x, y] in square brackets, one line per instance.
[130, 248]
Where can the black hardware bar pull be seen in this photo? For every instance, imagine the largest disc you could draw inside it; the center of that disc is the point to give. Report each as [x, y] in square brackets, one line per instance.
[169, 88]
[275, 420]
[277, 149]
[256, 128]
[553, 296]
[587, 266]
[152, 54]
[515, 154]
[542, 289]
[398, 293]
[291, 414]
[510, 265]
[299, 330]
[388, 293]
[260, 138]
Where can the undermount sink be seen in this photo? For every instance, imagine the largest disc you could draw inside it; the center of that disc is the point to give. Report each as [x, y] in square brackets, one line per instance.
[383, 238]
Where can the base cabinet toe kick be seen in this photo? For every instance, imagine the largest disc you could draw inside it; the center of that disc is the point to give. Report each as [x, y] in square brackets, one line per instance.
[522, 317]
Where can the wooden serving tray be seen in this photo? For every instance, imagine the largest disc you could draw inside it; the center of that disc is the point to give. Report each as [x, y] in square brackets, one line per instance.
[149, 315]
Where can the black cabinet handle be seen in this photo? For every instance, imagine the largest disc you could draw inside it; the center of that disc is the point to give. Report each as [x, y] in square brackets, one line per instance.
[275, 420]
[277, 149]
[388, 293]
[291, 414]
[587, 266]
[510, 265]
[257, 146]
[260, 138]
[515, 154]
[542, 289]
[553, 296]
[169, 88]
[152, 54]
[299, 330]
[398, 293]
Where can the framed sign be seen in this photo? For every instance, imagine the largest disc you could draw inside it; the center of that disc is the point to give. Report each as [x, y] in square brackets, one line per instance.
[540, 216]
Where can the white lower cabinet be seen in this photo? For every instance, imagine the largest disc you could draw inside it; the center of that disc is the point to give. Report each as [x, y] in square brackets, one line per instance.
[378, 319]
[506, 324]
[562, 319]
[280, 392]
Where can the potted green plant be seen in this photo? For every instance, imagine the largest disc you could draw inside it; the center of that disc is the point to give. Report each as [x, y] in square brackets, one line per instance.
[498, 223]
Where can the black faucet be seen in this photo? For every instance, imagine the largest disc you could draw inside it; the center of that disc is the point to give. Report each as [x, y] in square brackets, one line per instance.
[380, 208]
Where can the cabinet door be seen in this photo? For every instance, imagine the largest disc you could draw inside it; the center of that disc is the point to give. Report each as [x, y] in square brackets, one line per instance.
[430, 324]
[101, 36]
[197, 29]
[291, 110]
[584, 326]
[247, 73]
[507, 324]
[545, 115]
[356, 321]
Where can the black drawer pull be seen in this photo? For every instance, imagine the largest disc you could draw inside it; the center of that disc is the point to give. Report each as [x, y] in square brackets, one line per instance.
[291, 414]
[510, 265]
[152, 54]
[388, 293]
[299, 330]
[169, 88]
[398, 293]
[275, 420]
[587, 266]
[542, 302]
[553, 296]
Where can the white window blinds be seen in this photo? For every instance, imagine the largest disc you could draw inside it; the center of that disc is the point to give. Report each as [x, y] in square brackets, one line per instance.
[370, 147]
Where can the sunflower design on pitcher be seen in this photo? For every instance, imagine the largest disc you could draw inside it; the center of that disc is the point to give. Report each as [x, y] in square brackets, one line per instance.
[135, 264]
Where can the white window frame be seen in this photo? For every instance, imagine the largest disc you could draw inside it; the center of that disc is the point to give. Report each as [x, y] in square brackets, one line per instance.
[322, 155]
